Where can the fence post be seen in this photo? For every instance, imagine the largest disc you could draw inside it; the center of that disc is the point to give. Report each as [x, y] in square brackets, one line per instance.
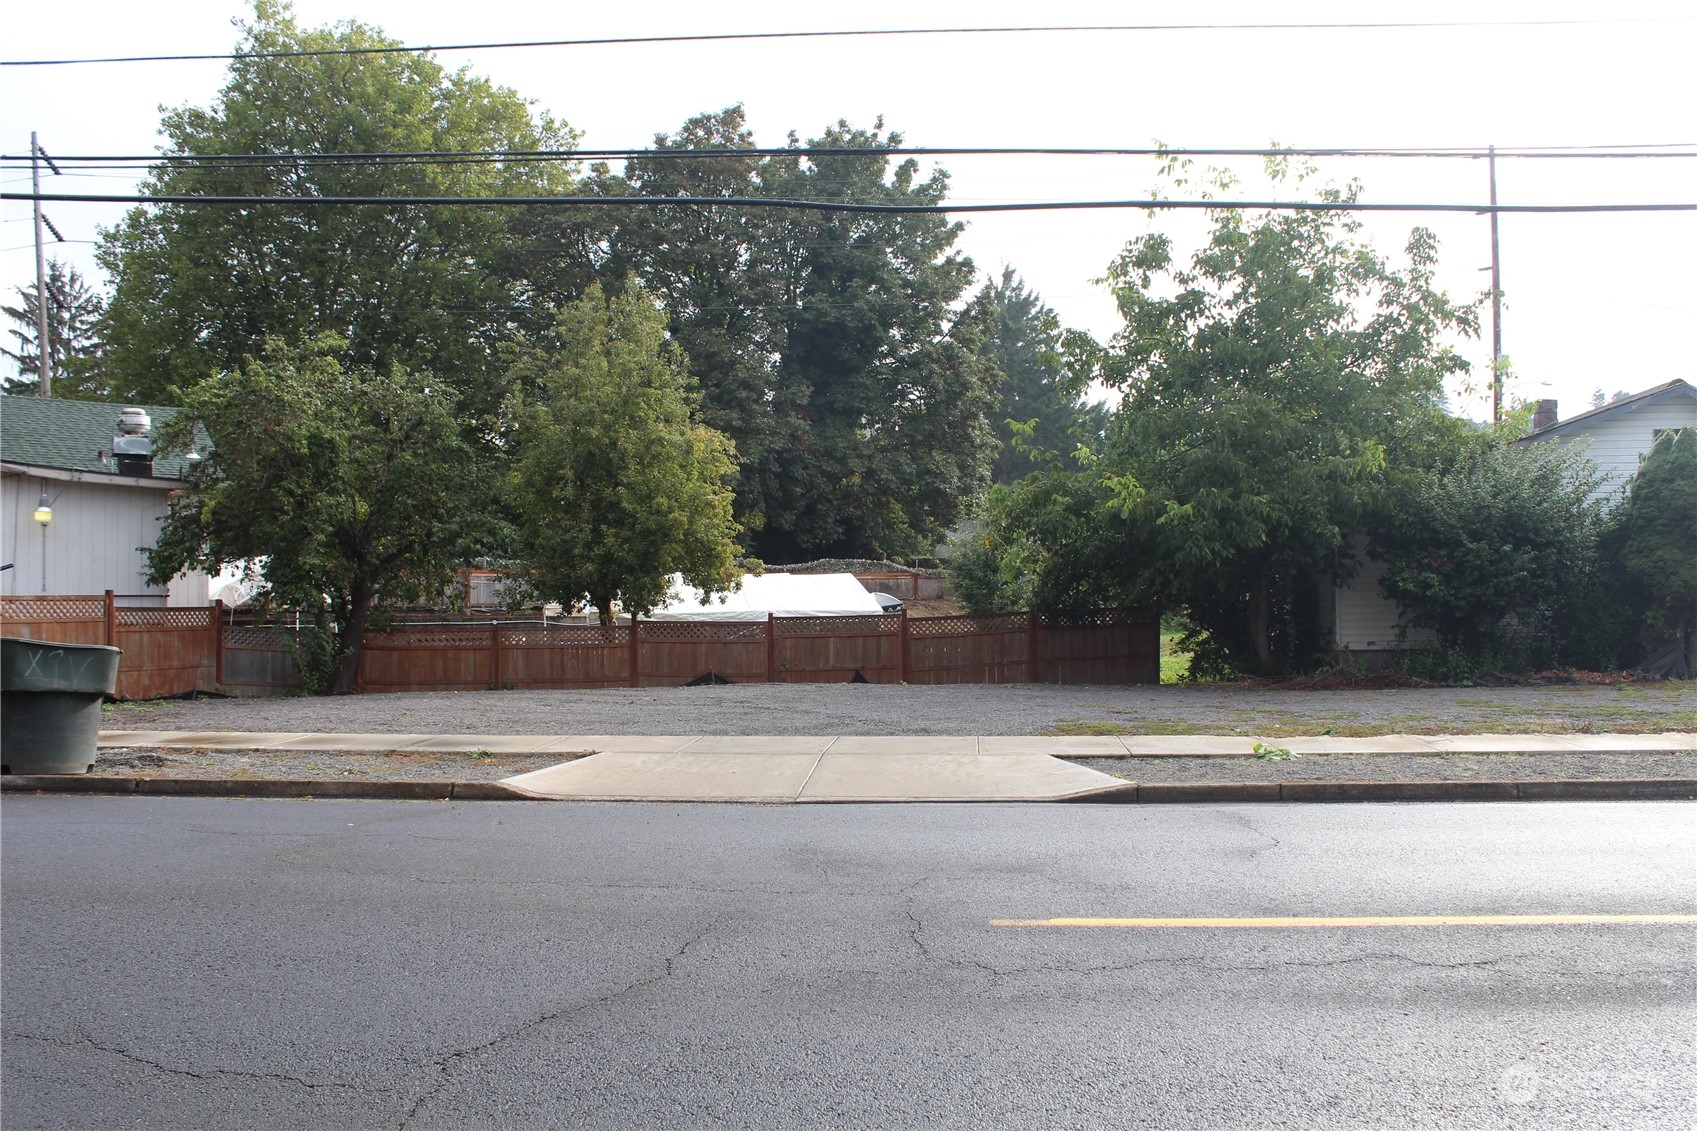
[217, 643]
[1031, 648]
[495, 655]
[635, 653]
[901, 673]
[111, 619]
[771, 648]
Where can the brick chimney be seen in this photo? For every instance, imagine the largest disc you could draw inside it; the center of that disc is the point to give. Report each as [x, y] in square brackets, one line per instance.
[1543, 416]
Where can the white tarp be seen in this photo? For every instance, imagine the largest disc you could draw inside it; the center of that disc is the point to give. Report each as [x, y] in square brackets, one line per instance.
[781, 594]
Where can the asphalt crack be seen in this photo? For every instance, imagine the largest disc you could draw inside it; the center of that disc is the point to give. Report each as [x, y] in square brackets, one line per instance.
[445, 1064]
[84, 1040]
[1250, 826]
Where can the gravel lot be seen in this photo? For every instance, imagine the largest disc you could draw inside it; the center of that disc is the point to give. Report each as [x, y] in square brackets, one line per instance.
[874, 709]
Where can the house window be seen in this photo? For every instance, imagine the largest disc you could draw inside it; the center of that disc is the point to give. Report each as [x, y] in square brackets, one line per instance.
[1658, 433]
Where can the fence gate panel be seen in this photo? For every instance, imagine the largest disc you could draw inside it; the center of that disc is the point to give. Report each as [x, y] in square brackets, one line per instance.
[836, 649]
[540, 658]
[969, 649]
[259, 661]
[166, 651]
[680, 652]
[1113, 646]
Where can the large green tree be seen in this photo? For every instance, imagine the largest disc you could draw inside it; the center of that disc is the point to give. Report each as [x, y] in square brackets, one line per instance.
[1660, 545]
[616, 483]
[826, 345]
[77, 350]
[1041, 411]
[198, 287]
[1272, 388]
[352, 488]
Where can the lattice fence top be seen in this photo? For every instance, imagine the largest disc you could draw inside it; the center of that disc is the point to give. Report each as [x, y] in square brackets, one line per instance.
[872, 625]
[686, 630]
[928, 627]
[164, 618]
[52, 608]
[468, 637]
[566, 636]
[267, 639]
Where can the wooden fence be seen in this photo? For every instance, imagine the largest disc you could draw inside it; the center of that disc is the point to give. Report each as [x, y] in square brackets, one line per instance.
[173, 651]
[166, 651]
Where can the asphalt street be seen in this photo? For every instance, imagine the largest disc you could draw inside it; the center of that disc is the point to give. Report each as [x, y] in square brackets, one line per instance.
[201, 963]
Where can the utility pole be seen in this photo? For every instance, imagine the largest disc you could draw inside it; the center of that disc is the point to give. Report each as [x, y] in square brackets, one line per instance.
[1495, 301]
[45, 365]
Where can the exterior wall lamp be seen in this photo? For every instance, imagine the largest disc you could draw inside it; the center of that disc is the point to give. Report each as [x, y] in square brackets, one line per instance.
[44, 515]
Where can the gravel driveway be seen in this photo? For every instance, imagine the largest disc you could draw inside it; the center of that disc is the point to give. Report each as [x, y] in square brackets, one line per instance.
[876, 709]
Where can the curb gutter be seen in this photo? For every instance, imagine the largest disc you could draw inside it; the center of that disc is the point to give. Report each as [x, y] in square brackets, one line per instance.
[1612, 789]
[1131, 793]
[303, 788]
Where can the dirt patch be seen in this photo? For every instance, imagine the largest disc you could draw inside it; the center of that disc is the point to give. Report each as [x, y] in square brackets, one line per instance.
[318, 765]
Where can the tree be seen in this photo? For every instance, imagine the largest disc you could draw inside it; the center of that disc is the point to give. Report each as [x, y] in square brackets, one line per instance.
[1272, 391]
[1053, 543]
[1510, 530]
[1271, 387]
[74, 311]
[353, 488]
[617, 485]
[1042, 411]
[1660, 527]
[825, 345]
[199, 287]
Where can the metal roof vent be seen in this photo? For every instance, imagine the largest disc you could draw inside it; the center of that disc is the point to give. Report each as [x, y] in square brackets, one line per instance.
[134, 447]
[135, 422]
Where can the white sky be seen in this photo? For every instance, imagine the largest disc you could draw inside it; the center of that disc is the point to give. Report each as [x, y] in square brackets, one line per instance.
[1593, 301]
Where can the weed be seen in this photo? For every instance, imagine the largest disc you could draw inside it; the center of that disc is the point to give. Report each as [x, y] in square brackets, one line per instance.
[1073, 727]
[480, 754]
[1265, 752]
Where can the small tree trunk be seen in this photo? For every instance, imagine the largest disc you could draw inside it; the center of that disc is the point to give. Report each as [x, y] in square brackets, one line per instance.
[352, 639]
[1261, 614]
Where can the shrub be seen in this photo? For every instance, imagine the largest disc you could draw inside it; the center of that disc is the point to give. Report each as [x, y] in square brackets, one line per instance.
[1496, 554]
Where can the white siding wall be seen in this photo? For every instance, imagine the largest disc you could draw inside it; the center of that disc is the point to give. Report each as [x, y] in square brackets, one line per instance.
[91, 543]
[1364, 620]
[1618, 442]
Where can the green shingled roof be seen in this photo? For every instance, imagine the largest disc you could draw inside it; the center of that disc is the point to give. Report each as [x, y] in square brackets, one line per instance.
[45, 432]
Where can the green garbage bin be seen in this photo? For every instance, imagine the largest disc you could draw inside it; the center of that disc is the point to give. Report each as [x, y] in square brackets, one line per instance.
[50, 704]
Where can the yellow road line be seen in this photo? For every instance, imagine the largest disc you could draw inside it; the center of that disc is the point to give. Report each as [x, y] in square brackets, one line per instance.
[1358, 921]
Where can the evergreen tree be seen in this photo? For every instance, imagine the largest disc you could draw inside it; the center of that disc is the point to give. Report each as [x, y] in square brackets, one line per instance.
[78, 351]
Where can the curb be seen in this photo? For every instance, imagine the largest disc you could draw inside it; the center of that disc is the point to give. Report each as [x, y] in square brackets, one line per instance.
[1613, 789]
[1131, 793]
[301, 788]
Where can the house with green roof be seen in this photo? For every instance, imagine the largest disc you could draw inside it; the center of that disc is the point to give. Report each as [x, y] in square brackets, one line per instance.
[81, 494]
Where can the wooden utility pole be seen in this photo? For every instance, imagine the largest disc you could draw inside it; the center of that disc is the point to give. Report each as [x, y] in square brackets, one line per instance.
[1496, 304]
[45, 364]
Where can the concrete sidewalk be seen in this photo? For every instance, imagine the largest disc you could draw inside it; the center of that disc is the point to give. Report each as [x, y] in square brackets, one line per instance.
[861, 768]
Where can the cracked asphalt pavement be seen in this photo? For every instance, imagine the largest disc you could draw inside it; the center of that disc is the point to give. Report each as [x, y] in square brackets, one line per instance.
[199, 963]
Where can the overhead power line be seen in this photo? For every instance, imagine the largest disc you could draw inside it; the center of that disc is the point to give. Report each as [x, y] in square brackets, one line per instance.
[213, 160]
[398, 49]
[832, 205]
